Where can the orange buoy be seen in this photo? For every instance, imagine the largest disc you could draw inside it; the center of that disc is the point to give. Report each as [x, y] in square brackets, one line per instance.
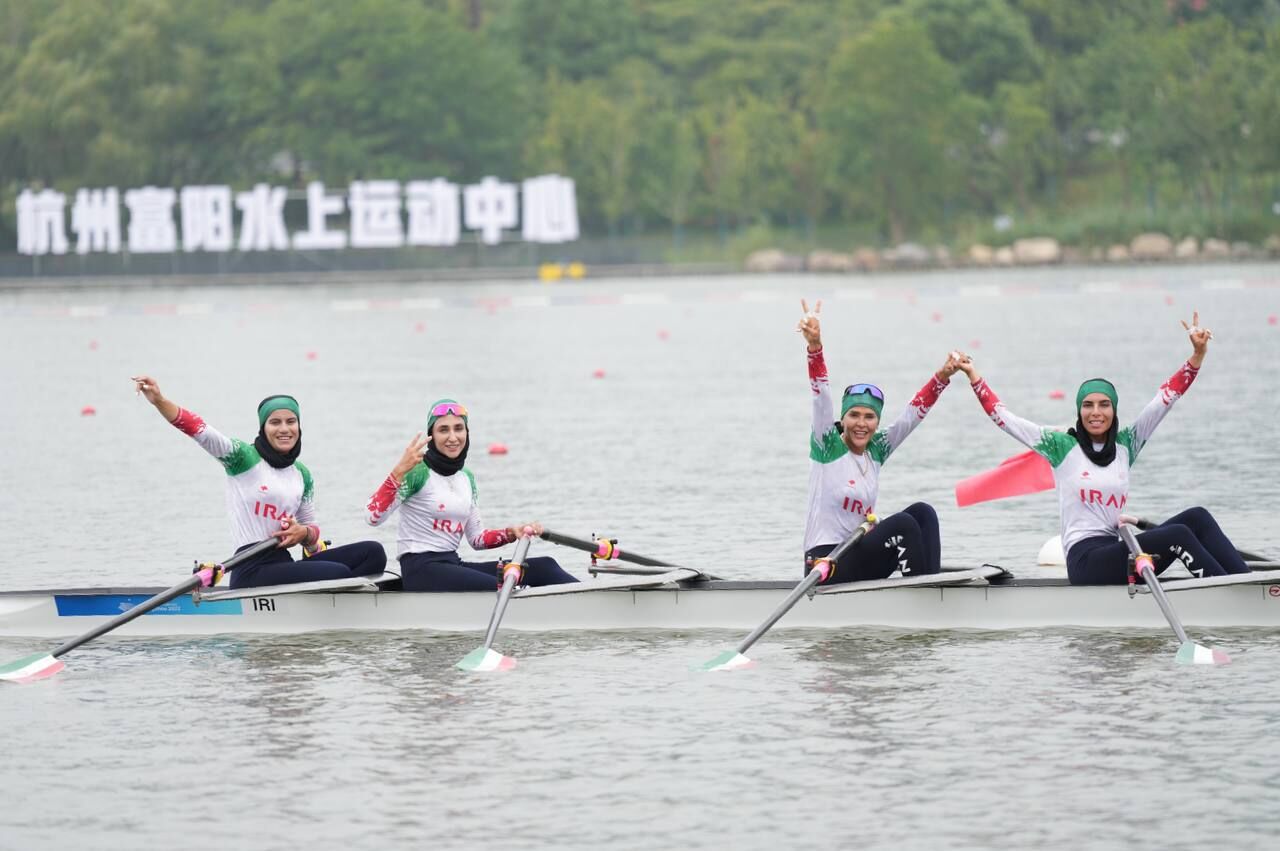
[1057, 394]
[88, 411]
[497, 449]
[599, 373]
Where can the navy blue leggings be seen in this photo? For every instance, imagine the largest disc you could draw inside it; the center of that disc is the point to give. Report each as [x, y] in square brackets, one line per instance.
[277, 567]
[1192, 537]
[448, 572]
[909, 540]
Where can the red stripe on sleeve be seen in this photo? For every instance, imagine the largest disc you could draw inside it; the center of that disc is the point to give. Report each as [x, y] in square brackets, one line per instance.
[817, 366]
[1178, 383]
[491, 538]
[382, 499]
[188, 423]
[986, 396]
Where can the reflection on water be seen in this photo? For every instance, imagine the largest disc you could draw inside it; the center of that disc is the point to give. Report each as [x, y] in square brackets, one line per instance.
[692, 444]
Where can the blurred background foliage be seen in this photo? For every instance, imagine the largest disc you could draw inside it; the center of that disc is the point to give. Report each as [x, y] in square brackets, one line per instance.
[725, 122]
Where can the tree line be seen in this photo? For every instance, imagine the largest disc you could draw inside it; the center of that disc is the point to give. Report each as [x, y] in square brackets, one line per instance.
[905, 118]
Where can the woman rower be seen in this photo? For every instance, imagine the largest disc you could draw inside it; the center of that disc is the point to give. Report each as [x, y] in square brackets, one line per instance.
[437, 498]
[270, 495]
[1091, 464]
[844, 478]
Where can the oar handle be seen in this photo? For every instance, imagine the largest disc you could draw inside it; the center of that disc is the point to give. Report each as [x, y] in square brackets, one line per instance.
[1145, 568]
[186, 586]
[844, 546]
[511, 573]
[602, 549]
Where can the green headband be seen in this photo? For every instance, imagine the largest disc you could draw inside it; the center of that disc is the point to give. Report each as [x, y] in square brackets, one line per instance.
[1097, 385]
[277, 403]
[431, 417]
[861, 400]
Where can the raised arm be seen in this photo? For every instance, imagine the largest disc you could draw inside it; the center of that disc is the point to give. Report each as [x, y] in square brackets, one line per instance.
[1136, 435]
[920, 405]
[822, 423]
[233, 454]
[405, 479]
[1024, 431]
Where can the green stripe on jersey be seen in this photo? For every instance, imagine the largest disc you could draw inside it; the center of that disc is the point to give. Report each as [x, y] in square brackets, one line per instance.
[308, 484]
[1128, 438]
[242, 457]
[413, 481]
[830, 449]
[1054, 446]
[879, 447]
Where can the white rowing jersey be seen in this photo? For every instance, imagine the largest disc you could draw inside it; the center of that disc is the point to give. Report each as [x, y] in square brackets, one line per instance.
[1090, 498]
[436, 512]
[843, 486]
[258, 495]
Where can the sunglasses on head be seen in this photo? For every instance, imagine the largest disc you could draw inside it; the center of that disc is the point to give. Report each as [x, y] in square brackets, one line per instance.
[448, 408]
[855, 389]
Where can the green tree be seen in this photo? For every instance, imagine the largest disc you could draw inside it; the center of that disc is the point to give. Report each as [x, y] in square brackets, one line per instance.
[894, 113]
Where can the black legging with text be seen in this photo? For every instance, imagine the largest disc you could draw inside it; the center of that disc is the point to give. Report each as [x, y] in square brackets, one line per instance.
[909, 540]
[1192, 537]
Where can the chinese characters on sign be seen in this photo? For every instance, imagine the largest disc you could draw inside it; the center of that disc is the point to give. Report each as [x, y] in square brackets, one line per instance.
[379, 214]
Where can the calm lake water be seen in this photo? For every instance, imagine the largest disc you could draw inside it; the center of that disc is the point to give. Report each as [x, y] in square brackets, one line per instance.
[693, 445]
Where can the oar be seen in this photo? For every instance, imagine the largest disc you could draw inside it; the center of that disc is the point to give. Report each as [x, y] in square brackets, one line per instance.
[47, 664]
[602, 548]
[1145, 524]
[485, 658]
[822, 568]
[1189, 653]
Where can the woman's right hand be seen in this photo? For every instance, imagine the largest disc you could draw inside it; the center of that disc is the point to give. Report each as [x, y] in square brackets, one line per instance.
[809, 325]
[966, 366]
[147, 386]
[412, 456]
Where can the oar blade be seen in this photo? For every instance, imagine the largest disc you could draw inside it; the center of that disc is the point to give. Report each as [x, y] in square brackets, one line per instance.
[30, 668]
[486, 659]
[729, 660]
[1191, 653]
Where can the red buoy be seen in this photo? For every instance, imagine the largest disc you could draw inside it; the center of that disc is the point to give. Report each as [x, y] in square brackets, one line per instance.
[975, 344]
[1168, 300]
[936, 316]
[93, 345]
[420, 327]
[599, 373]
[88, 411]
[312, 355]
[497, 449]
[664, 334]
[1057, 394]
[1272, 320]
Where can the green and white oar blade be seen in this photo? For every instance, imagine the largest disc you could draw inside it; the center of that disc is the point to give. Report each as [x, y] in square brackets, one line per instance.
[729, 660]
[30, 668]
[486, 659]
[1191, 653]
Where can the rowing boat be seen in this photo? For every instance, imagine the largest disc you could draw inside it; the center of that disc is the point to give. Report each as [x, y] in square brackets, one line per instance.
[985, 598]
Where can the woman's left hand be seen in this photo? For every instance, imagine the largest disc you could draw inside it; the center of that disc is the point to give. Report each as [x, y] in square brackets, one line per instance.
[518, 531]
[291, 533]
[1200, 338]
[950, 367]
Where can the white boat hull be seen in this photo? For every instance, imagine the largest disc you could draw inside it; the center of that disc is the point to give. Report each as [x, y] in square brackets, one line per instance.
[737, 606]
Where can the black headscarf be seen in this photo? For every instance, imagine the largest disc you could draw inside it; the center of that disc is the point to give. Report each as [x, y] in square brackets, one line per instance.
[443, 464]
[269, 453]
[1104, 456]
